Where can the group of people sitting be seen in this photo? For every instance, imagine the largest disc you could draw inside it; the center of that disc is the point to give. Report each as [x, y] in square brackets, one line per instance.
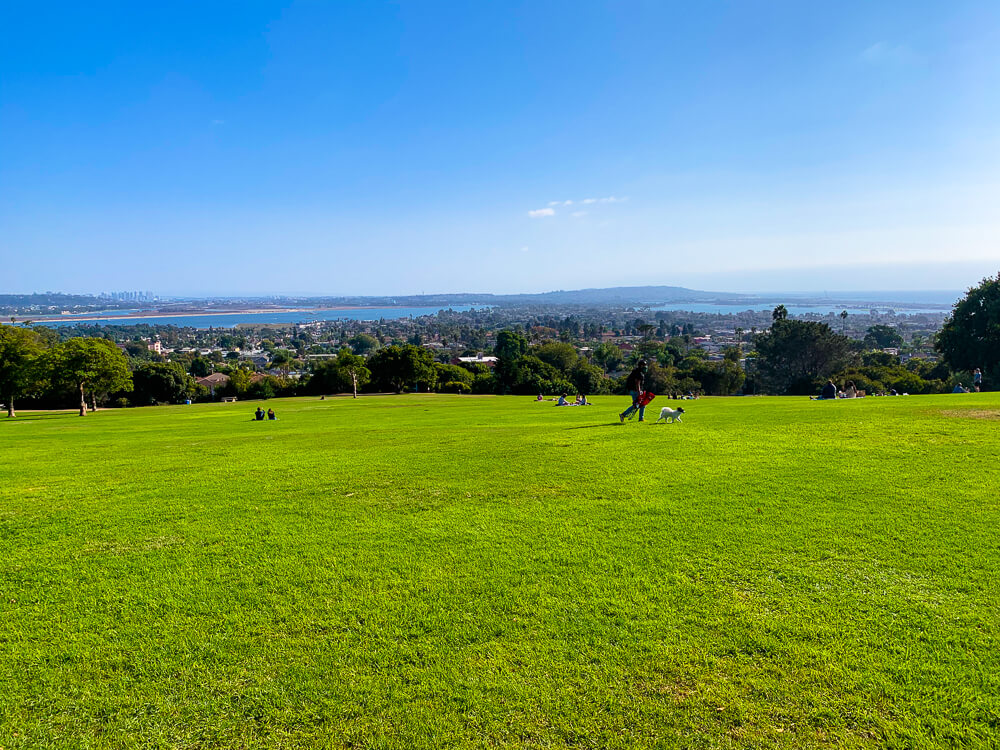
[830, 390]
[581, 400]
[259, 415]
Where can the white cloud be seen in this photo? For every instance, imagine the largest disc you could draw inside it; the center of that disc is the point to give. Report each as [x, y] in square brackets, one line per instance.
[550, 211]
[578, 214]
[524, 249]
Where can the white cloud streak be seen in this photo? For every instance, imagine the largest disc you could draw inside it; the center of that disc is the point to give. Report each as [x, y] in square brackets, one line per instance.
[541, 213]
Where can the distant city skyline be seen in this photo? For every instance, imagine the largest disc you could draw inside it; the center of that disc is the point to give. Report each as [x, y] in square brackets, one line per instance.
[375, 149]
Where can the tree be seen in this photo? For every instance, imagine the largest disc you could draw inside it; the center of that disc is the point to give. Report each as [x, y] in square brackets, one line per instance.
[843, 321]
[779, 313]
[345, 372]
[240, 380]
[588, 379]
[19, 352]
[200, 367]
[397, 366]
[282, 359]
[970, 336]
[447, 373]
[718, 378]
[511, 346]
[560, 355]
[534, 376]
[362, 343]
[156, 382]
[794, 353]
[608, 356]
[883, 337]
[94, 366]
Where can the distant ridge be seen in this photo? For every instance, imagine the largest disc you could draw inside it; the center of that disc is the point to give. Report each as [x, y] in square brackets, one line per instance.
[633, 295]
[619, 295]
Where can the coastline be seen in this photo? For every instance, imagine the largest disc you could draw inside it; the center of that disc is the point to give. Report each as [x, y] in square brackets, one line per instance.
[185, 314]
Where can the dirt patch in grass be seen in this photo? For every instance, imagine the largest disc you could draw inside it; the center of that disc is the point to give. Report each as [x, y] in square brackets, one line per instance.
[972, 413]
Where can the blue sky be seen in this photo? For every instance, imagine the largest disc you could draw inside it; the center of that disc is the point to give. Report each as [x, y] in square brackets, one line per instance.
[369, 147]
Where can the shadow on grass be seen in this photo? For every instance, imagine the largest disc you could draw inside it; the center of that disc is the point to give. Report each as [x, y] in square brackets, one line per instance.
[594, 426]
[30, 416]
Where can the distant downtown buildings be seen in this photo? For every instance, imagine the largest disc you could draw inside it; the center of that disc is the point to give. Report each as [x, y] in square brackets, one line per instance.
[130, 296]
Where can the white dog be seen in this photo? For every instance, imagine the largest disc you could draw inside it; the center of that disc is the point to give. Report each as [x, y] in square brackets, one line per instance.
[671, 415]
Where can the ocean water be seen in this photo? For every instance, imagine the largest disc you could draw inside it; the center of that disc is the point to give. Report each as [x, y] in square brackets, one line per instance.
[263, 318]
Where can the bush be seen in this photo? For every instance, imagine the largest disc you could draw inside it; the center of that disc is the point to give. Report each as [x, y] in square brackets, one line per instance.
[455, 386]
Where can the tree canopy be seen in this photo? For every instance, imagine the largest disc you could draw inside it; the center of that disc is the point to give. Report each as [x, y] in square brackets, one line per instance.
[161, 382]
[970, 337]
[794, 354]
[20, 349]
[90, 366]
[398, 366]
[883, 337]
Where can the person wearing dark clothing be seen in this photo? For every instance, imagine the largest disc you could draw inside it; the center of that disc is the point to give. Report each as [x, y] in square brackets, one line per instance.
[634, 385]
[270, 414]
[259, 414]
[829, 390]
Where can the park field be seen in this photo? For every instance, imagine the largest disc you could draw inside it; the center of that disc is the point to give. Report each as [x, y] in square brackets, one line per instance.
[433, 571]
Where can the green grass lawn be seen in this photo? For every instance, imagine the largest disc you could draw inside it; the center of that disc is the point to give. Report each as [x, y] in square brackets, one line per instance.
[459, 571]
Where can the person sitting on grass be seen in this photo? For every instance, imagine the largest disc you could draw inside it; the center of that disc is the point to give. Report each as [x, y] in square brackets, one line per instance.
[259, 414]
[563, 401]
[581, 400]
[829, 390]
[271, 415]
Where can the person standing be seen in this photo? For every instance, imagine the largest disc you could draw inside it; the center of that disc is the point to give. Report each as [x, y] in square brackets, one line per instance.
[977, 379]
[634, 385]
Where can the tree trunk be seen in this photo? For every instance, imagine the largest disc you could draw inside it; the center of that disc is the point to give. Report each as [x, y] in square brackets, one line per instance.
[93, 402]
[354, 379]
[10, 406]
[83, 402]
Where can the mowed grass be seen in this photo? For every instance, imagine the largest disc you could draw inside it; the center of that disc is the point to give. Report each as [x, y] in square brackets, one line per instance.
[438, 571]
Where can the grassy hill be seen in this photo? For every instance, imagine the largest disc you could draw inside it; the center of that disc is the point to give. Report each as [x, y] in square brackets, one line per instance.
[435, 571]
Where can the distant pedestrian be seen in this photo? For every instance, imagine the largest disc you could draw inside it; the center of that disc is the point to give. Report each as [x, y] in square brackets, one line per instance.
[634, 384]
[977, 379]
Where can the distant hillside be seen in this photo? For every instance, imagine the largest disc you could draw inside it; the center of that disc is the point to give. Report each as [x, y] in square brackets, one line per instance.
[622, 295]
[631, 295]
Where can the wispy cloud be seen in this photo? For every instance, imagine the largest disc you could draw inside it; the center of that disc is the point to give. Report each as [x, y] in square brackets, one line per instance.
[888, 53]
[538, 213]
[218, 122]
[608, 199]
